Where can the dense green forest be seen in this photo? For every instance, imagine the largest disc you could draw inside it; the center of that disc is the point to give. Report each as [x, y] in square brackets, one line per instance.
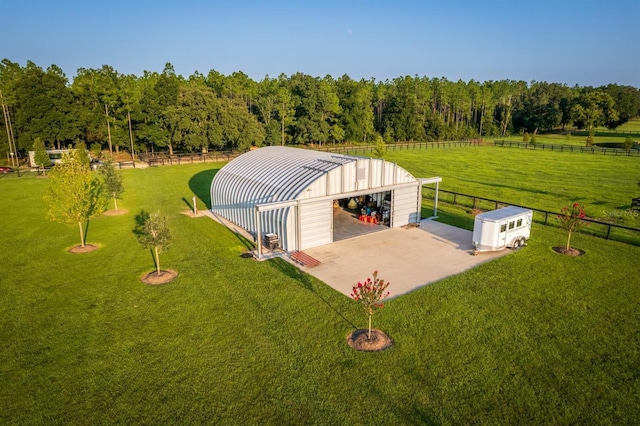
[168, 112]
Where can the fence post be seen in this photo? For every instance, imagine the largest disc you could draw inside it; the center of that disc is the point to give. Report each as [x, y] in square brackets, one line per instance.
[608, 231]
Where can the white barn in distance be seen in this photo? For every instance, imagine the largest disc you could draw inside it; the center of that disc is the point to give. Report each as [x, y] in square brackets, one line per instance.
[291, 192]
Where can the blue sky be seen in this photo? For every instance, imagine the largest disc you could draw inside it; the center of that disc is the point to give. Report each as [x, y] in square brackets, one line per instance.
[582, 42]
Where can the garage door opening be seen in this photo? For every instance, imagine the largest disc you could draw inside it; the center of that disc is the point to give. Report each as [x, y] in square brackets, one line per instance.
[361, 215]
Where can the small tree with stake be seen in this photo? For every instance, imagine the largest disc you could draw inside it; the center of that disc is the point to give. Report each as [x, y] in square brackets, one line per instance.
[153, 234]
[41, 157]
[112, 181]
[572, 220]
[370, 295]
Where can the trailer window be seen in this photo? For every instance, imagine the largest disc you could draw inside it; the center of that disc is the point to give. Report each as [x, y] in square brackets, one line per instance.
[512, 225]
[503, 227]
[519, 223]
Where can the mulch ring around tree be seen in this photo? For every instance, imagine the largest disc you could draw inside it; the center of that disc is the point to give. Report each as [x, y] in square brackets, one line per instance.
[570, 252]
[115, 212]
[379, 340]
[190, 213]
[153, 278]
[88, 248]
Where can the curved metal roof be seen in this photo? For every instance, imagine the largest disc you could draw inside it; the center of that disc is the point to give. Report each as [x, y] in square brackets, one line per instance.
[271, 174]
[279, 174]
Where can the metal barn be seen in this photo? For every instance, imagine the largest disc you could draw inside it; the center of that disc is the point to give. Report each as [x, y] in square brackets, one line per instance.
[291, 193]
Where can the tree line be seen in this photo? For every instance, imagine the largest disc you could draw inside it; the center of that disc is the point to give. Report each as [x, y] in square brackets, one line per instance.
[165, 111]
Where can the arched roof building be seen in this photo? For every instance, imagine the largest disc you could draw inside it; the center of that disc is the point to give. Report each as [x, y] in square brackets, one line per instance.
[291, 192]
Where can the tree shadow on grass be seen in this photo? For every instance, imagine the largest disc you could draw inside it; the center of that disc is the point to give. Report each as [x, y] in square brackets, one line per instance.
[86, 231]
[188, 203]
[140, 219]
[305, 282]
[200, 185]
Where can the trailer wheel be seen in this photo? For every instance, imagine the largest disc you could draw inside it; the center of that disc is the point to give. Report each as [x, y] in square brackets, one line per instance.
[515, 244]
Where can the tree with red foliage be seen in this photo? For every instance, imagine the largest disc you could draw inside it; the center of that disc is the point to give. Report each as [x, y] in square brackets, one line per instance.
[572, 220]
[370, 294]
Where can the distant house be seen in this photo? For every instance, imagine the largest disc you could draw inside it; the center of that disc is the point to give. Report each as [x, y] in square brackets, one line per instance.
[54, 154]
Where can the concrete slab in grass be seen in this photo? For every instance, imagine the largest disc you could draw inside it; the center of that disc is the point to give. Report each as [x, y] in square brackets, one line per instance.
[408, 258]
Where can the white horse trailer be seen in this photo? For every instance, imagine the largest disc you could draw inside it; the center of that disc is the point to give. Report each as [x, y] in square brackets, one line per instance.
[501, 228]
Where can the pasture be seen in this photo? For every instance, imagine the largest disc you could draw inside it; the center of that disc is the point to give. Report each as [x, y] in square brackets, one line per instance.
[546, 180]
[534, 337]
[578, 137]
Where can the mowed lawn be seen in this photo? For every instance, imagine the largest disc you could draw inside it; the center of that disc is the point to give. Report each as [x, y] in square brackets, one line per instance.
[534, 337]
[579, 137]
[545, 180]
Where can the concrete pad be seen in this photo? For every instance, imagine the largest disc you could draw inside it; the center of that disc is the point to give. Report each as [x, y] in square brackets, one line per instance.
[408, 258]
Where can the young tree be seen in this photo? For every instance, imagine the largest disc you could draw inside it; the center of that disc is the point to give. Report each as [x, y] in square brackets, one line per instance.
[153, 234]
[381, 148]
[75, 194]
[112, 180]
[572, 220]
[41, 157]
[370, 294]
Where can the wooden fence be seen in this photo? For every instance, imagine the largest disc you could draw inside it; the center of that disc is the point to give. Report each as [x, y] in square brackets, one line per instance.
[161, 159]
[397, 146]
[634, 152]
[609, 231]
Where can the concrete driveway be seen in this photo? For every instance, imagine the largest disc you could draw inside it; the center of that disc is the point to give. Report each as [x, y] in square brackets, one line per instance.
[407, 258]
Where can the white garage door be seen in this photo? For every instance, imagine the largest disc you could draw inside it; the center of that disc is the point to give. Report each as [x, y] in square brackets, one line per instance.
[405, 206]
[316, 224]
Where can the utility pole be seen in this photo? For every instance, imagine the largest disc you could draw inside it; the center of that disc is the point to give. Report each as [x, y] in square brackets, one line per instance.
[106, 112]
[133, 154]
[9, 128]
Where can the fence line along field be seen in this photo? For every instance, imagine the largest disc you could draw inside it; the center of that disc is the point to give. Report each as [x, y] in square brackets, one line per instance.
[533, 335]
[545, 180]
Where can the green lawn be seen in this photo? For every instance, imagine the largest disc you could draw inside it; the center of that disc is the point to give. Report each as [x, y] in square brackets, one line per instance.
[539, 179]
[534, 337]
[632, 125]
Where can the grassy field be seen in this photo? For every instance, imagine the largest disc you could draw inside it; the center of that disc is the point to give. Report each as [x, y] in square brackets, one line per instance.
[575, 138]
[539, 179]
[534, 337]
[632, 125]
[578, 138]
